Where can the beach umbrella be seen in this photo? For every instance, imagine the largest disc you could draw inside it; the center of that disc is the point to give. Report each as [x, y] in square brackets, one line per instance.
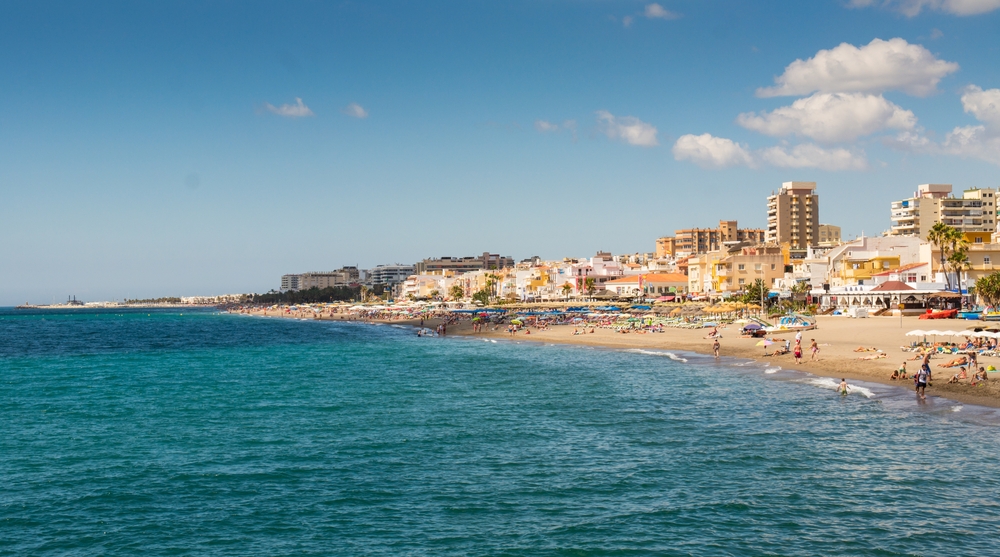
[968, 333]
[765, 343]
[916, 333]
[949, 333]
[516, 321]
[752, 326]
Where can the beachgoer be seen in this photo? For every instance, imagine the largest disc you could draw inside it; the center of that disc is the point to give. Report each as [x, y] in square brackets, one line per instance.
[798, 353]
[715, 347]
[843, 386]
[815, 349]
[922, 378]
[895, 375]
[798, 337]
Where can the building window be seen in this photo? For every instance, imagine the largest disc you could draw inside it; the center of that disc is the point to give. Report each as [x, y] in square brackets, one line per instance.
[757, 267]
[979, 239]
[986, 260]
[742, 281]
[741, 267]
[772, 266]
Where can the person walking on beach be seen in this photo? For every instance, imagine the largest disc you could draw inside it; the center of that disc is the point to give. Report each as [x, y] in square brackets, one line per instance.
[798, 337]
[815, 350]
[922, 378]
[798, 353]
[715, 347]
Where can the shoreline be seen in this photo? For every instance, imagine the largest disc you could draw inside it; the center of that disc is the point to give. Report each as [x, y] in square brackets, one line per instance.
[836, 336]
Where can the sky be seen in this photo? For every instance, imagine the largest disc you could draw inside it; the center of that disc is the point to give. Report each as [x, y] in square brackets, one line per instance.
[195, 148]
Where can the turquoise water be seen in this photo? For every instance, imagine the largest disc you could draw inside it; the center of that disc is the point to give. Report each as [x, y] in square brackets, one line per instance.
[209, 434]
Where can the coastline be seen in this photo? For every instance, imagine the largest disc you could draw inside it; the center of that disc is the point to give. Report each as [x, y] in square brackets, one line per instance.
[837, 337]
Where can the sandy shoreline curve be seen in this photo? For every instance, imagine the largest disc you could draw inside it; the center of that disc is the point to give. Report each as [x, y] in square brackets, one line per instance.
[837, 337]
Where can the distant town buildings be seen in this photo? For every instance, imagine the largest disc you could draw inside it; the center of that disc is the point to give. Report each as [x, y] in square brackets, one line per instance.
[693, 241]
[975, 211]
[344, 277]
[793, 217]
[464, 264]
[829, 235]
[390, 274]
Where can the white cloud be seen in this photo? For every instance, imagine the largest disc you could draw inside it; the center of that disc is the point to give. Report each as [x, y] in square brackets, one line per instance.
[355, 110]
[976, 142]
[297, 110]
[831, 117]
[936, 33]
[627, 128]
[656, 11]
[627, 21]
[911, 8]
[973, 142]
[546, 126]
[984, 105]
[708, 151]
[876, 67]
[808, 155]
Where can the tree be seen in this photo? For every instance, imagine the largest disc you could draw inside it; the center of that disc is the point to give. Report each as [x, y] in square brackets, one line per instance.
[567, 288]
[435, 294]
[590, 285]
[482, 296]
[457, 292]
[946, 238]
[988, 289]
[958, 257]
[755, 292]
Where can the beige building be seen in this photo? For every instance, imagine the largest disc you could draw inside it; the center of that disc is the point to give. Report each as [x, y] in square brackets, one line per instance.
[691, 241]
[975, 211]
[793, 217]
[829, 235]
[732, 270]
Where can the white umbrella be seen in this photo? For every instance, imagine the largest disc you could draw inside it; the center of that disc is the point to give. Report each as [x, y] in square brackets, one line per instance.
[916, 333]
[949, 333]
[968, 333]
[934, 333]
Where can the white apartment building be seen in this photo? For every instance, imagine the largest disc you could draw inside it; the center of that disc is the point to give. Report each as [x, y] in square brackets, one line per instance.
[975, 211]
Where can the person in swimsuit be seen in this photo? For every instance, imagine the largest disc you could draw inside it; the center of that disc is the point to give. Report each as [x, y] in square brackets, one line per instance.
[715, 347]
[843, 386]
[798, 353]
[815, 350]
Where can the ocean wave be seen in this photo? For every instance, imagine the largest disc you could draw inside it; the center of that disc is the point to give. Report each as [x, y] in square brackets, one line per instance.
[670, 355]
[771, 370]
[830, 383]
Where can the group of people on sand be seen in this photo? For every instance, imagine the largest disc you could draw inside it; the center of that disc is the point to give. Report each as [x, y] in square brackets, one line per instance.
[978, 378]
[797, 349]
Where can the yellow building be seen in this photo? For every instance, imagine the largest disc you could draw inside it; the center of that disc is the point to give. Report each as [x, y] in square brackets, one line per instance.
[734, 269]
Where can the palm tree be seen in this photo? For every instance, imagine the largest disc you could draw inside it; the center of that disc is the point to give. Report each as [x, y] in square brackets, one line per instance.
[988, 289]
[943, 236]
[457, 292]
[567, 288]
[590, 285]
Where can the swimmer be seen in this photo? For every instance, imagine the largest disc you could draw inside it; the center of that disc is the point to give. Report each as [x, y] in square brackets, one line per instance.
[843, 387]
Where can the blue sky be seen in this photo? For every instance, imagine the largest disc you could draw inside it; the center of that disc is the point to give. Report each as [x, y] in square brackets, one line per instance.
[152, 149]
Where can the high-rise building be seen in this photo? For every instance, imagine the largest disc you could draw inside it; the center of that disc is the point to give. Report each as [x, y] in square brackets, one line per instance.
[975, 211]
[691, 241]
[793, 217]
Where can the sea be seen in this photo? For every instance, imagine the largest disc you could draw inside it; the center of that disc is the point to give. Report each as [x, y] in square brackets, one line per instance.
[195, 432]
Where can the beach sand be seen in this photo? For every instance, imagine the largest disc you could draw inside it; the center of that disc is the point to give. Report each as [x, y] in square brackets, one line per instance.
[837, 338]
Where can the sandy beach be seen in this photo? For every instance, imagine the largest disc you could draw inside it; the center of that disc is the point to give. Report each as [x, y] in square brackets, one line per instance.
[837, 337]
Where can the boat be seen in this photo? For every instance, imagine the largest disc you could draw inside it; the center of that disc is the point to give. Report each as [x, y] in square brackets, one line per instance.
[792, 323]
[990, 316]
[970, 315]
[940, 314]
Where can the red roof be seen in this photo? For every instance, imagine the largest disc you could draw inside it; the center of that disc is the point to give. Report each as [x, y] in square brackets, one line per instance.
[891, 286]
[899, 269]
